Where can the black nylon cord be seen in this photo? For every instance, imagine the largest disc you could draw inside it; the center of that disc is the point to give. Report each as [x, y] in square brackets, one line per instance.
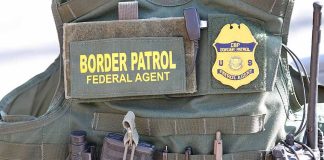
[299, 64]
[307, 148]
[291, 149]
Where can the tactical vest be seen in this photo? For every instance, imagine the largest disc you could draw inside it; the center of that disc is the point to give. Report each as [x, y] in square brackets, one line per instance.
[181, 102]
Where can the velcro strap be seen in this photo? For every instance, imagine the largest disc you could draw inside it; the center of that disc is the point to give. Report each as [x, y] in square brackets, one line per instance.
[182, 126]
[74, 9]
[249, 155]
[128, 10]
[32, 151]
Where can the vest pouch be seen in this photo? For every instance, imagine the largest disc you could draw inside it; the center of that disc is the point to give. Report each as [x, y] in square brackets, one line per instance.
[43, 137]
[243, 57]
[37, 131]
[23, 138]
[128, 59]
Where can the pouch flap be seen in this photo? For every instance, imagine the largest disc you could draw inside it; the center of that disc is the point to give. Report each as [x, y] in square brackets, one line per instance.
[128, 59]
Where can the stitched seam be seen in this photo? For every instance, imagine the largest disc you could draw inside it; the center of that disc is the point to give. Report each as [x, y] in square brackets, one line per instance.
[233, 122]
[205, 126]
[97, 121]
[149, 126]
[71, 11]
[175, 127]
[274, 3]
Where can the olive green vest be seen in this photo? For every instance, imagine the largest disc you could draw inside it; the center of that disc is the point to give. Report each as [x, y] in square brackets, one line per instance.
[39, 115]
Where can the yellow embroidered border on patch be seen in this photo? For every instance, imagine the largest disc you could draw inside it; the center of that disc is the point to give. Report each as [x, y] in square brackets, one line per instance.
[235, 63]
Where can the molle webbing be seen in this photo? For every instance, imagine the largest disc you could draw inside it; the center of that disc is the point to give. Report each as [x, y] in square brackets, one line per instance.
[32, 151]
[182, 126]
[249, 155]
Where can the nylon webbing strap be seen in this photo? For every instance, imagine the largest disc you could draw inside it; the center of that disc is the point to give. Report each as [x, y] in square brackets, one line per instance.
[74, 9]
[32, 151]
[128, 10]
[181, 126]
[250, 155]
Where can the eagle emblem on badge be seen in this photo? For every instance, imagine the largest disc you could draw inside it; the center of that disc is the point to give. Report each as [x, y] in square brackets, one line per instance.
[235, 63]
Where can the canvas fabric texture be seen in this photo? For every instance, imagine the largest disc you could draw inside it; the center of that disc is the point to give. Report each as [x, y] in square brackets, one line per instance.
[40, 118]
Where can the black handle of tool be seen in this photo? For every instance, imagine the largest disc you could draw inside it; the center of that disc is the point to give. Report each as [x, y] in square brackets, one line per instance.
[312, 120]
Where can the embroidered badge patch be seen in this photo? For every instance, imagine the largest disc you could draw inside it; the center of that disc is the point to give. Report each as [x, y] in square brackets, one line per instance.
[235, 63]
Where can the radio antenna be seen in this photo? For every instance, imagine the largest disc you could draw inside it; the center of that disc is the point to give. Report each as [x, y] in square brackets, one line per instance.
[312, 119]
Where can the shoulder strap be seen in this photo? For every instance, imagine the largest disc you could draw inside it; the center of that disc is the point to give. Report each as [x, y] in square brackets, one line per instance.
[74, 9]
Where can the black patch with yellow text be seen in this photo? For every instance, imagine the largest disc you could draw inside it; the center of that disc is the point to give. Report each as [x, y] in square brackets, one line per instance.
[149, 58]
[122, 67]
